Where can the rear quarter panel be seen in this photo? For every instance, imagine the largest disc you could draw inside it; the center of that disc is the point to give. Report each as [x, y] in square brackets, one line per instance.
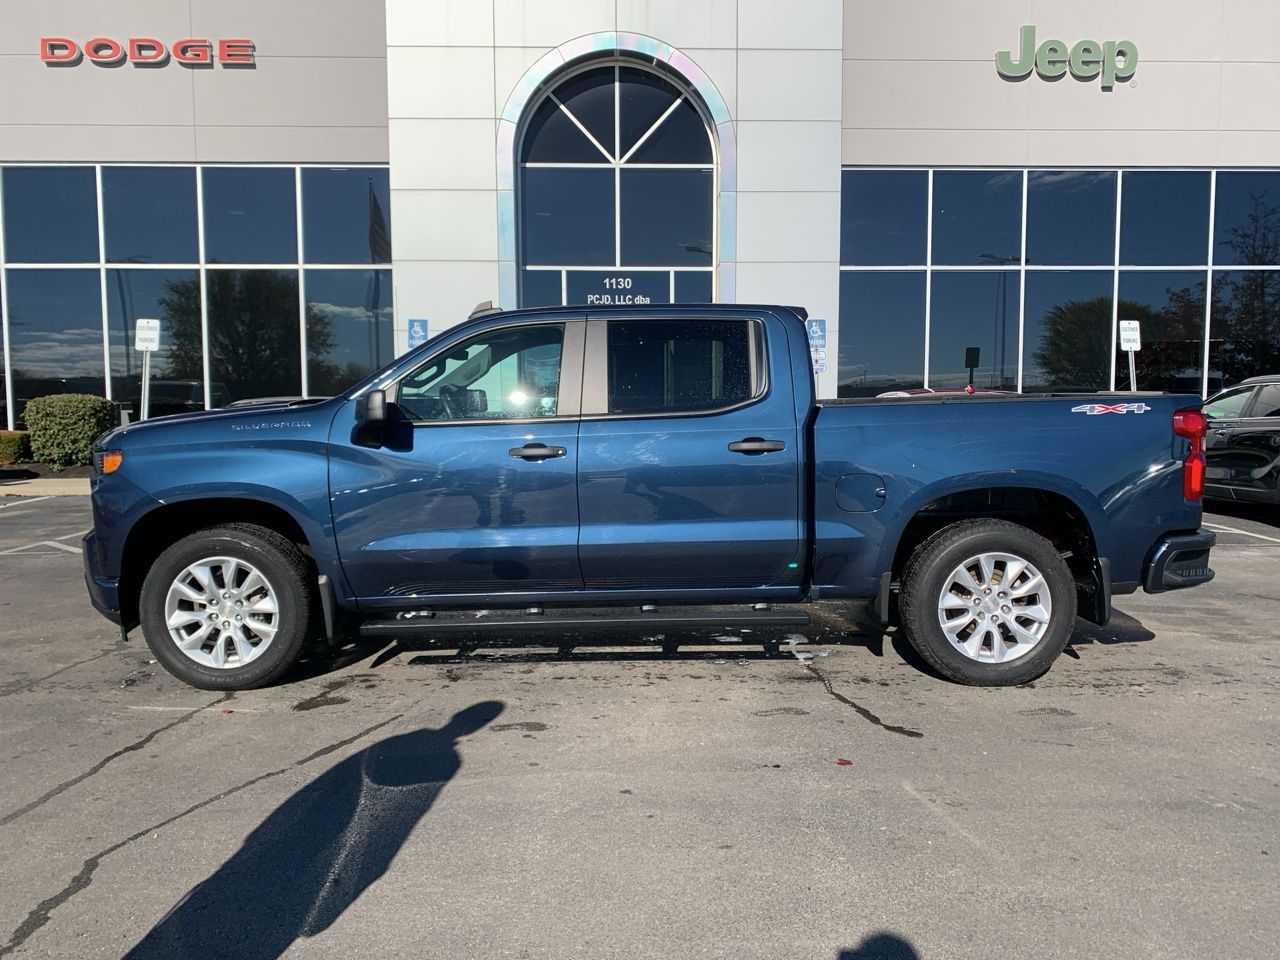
[1123, 472]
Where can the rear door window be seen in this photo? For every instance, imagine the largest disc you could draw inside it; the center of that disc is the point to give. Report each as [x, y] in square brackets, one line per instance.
[1268, 402]
[660, 367]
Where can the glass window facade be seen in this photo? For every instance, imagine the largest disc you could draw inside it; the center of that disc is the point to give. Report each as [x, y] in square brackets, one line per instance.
[872, 359]
[177, 368]
[976, 216]
[974, 309]
[616, 192]
[1067, 330]
[1036, 268]
[250, 308]
[250, 215]
[55, 333]
[349, 327]
[149, 214]
[50, 214]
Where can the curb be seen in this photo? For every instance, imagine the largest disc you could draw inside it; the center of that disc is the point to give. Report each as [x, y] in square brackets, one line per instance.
[46, 487]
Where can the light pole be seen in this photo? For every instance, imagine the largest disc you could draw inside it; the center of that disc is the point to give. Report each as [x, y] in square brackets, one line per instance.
[1001, 319]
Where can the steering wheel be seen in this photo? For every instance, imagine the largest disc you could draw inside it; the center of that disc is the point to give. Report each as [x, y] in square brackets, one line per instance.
[450, 400]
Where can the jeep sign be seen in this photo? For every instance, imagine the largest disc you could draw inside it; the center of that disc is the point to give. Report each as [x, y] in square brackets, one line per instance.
[1113, 60]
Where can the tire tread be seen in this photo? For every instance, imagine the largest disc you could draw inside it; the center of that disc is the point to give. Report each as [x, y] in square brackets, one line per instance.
[263, 538]
[913, 605]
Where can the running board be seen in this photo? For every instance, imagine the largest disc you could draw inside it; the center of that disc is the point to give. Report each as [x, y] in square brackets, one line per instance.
[430, 622]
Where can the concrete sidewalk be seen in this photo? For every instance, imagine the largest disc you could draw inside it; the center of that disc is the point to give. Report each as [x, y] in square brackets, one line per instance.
[46, 487]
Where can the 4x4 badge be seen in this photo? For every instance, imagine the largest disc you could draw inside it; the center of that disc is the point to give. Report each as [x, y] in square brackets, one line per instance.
[1095, 408]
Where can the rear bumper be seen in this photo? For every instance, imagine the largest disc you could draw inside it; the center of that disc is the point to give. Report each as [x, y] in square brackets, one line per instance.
[1179, 561]
[104, 592]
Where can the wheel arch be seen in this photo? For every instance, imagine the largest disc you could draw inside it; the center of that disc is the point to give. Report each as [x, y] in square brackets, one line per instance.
[169, 522]
[1061, 519]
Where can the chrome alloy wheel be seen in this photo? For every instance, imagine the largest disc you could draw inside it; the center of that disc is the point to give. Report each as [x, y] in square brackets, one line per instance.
[995, 607]
[222, 612]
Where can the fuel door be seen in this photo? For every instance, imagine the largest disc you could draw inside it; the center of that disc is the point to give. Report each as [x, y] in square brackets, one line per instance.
[860, 492]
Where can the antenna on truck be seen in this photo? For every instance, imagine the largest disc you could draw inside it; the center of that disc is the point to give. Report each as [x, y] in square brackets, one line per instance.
[483, 308]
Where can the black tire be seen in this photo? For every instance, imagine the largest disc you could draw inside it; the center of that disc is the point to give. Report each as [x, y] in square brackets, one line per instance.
[923, 582]
[283, 565]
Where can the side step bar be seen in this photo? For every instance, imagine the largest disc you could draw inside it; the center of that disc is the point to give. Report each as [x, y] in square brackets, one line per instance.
[575, 619]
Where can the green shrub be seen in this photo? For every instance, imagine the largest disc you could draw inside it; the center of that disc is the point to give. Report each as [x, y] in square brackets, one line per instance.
[64, 426]
[15, 445]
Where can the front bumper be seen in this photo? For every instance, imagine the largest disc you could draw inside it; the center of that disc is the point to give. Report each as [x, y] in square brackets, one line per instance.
[104, 592]
[1179, 561]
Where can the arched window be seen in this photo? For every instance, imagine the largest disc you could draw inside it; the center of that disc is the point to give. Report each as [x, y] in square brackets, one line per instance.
[616, 191]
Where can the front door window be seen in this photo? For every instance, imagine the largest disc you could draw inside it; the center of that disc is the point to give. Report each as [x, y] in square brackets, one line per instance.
[506, 374]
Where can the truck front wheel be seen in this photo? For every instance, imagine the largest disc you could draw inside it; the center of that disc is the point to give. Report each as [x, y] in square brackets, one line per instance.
[227, 608]
[988, 603]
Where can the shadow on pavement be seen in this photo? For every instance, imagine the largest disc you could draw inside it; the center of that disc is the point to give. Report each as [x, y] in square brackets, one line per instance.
[317, 852]
[881, 946]
[1122, 628]
[1257, 512]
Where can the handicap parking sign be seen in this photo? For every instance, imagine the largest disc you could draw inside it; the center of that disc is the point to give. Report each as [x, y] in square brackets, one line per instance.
[417, 333]
[817, 332]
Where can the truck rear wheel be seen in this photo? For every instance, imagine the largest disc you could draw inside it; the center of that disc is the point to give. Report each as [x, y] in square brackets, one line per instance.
[988, 603]
[227, 608]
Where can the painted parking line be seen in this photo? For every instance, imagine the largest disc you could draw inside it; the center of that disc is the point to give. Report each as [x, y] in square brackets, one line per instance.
[1219, 528]
[23, 503]
[41, 543]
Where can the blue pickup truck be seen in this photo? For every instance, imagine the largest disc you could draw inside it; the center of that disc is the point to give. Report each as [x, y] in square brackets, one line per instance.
[639, 466]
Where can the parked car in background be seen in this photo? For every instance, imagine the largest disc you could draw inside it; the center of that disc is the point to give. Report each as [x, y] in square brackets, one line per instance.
[178, 396]
[930, 391]
[1243, 442]
[260, 401]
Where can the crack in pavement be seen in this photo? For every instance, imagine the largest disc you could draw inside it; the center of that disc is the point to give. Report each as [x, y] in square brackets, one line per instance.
[806, 661]
[859, 709]
[21, 686]
[39, 914]
[97, 767]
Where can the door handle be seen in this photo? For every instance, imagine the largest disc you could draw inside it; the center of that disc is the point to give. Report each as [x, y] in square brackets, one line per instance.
[1221, 433]
[536, 451]
[757, 445]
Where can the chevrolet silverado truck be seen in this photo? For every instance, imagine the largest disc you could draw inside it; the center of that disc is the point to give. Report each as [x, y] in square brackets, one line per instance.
[632, 467]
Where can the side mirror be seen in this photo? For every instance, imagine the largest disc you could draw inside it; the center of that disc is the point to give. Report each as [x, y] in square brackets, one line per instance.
[477, 403]
[371, 419]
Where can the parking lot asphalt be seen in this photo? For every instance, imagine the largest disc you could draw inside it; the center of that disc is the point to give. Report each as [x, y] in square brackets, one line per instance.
[689, 797]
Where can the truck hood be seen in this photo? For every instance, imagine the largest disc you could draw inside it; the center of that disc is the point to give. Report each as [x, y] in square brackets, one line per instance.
[162, 429]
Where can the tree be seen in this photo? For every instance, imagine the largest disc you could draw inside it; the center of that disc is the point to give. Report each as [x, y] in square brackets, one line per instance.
[1075, 346]
[1246, 320]
[253, 331]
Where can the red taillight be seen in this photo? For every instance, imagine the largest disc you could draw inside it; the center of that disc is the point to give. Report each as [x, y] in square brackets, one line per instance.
[1193, 476]
[1192, 425]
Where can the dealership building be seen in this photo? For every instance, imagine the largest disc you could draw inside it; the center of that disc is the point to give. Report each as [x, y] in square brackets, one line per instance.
[300, 190]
